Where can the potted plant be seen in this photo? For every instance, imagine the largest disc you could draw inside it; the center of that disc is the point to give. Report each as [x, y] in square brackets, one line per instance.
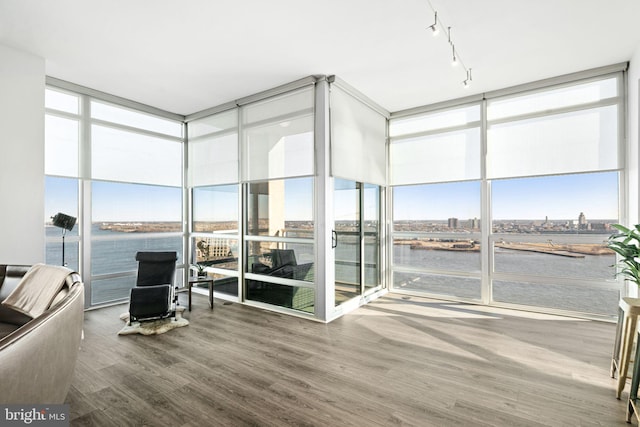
[199, 269]
[626, 243]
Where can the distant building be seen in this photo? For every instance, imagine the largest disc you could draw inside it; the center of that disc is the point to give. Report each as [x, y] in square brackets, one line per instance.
[582, 221]
[475, 223]
[453, 222]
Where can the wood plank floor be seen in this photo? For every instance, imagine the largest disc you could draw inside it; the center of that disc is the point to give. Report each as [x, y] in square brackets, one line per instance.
[395, 362]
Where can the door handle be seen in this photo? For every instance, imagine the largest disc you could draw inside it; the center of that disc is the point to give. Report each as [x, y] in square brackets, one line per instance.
[334, 239]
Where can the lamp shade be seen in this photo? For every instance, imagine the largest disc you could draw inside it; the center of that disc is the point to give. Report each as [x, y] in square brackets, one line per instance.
[63, 221]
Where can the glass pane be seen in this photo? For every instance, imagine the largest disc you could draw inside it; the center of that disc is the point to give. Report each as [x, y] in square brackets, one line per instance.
[347, 246]
[281, 149]
[53, 254]
[299, 101]
[581, 141]
[371, 230]
[128, 208]
[61, 146]
[125, 156]
[227, 285]
[434, 121]
[61, 101]
[213, 160]
[119, 255]
[215, 209]
[137, 119]
[556, 258]
[437, 254]
[284, 260]
[461, 287]
[216, 252]
[584, 203]
[60, 195]
[553, 99]
[295, 297]
[452, 156]
[220, 122]
[435, 208]
[281, 208]
[114, 289]
[581, 298]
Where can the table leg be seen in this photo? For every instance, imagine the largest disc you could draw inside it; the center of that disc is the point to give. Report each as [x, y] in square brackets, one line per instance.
[211, 294]
[189, 286]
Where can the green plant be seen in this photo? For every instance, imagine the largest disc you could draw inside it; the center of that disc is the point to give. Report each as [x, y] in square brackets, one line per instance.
[626, 243]
[199, 269]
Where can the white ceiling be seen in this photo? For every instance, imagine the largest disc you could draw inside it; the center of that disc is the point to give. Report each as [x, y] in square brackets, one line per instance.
[189, 55]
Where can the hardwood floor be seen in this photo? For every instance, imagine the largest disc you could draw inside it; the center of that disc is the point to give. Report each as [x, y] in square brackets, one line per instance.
[394, 362]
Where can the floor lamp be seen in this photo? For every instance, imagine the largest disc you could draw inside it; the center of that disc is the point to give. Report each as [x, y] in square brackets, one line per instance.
[65, 222]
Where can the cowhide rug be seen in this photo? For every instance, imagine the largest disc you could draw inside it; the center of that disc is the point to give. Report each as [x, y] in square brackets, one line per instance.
[153, 327]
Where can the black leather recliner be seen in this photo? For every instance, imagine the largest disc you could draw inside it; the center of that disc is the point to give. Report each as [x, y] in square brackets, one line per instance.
[154, 296]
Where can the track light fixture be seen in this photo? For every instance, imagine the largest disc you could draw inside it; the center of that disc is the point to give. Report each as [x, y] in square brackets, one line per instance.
[467, 81]
[434, 28]
[455, 55]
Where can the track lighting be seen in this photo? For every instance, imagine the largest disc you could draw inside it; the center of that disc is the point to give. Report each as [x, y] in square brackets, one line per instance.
[467, 81]
[455, 56]
[434, 27]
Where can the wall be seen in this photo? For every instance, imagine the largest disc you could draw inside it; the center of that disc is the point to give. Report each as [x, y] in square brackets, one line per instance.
[22, 81]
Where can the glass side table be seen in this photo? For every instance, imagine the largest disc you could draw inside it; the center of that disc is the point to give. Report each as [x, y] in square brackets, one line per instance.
[195, 281]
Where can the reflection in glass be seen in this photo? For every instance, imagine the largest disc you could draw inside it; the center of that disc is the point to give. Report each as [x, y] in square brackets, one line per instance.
[216, 251]
[282, 208]
[295, 297]
[284, 260]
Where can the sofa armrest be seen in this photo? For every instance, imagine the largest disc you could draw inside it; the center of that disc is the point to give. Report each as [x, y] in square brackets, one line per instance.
[45, 349]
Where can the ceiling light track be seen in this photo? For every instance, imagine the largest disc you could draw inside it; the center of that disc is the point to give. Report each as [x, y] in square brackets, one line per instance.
[455, 55]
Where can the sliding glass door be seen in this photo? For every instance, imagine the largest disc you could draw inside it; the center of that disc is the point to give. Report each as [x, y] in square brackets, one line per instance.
[356, 241]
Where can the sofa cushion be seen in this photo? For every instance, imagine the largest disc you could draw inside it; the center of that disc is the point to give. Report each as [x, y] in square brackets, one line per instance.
[10, 276]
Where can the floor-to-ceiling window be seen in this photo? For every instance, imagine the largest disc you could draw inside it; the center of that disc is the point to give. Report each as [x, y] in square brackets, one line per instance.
[119, 171]
[278, 158]
[215, 215]
[509, 200]
[553, 163]
[62, 169]
[435, 173]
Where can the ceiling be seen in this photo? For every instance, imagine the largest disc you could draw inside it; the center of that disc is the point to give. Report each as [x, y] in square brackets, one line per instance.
[189, 55]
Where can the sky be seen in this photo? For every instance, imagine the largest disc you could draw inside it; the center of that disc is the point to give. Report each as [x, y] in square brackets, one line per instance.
[556, 197]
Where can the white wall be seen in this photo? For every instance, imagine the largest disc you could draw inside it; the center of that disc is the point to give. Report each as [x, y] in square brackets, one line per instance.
[22, 80]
